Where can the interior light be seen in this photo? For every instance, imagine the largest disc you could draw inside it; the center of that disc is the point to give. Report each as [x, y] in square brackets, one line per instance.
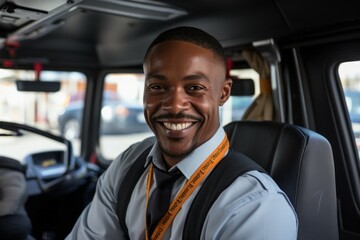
[139, 9]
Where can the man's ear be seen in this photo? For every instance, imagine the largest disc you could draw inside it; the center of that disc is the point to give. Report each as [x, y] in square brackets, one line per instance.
[225, 91]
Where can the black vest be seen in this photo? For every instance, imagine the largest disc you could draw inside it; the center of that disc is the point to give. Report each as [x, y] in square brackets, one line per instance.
[230, 168]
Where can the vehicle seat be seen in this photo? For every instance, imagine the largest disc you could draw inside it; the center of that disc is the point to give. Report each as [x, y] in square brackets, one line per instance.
[301, 163]
[14, 222]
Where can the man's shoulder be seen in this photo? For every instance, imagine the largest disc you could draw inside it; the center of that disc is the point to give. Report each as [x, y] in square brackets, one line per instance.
[253, 172]
[264, 180]
[253, 188]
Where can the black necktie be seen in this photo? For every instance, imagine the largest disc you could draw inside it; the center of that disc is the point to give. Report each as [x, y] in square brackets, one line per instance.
[160, 198]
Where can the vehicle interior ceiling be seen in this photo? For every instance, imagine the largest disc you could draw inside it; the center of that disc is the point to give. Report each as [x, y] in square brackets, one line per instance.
[104, 34]
[101, 36]
[94, 35]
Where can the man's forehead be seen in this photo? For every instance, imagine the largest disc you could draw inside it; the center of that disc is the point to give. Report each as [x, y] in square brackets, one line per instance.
[180, 48]
[176, 44]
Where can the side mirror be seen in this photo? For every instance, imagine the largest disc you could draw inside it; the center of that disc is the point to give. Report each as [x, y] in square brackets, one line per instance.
[242, 87]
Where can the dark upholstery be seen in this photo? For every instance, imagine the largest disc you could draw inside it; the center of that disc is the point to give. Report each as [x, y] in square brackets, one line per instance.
[301, 163]
[14, 221]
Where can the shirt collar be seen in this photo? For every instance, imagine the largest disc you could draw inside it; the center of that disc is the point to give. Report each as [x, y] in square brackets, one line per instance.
[192, 161]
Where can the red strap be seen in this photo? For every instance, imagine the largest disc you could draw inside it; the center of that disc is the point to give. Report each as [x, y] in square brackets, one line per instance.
[229, 65]
[37, 69]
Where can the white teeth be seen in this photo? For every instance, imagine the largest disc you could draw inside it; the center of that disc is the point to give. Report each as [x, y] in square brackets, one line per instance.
[177, 127]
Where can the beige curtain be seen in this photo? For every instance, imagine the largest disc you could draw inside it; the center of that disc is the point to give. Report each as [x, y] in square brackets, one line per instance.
[262, 108]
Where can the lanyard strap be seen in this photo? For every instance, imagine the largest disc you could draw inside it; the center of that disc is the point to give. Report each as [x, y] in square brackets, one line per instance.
[199, 175]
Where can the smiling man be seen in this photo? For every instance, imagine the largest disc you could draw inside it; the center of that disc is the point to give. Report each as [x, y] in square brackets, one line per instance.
[185, 85]
[149, 190]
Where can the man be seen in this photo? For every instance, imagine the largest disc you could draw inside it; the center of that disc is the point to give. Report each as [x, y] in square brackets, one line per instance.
[185, 83]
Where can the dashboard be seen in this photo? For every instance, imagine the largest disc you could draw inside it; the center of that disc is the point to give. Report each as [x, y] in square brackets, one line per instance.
[50, 164]
[46, 165]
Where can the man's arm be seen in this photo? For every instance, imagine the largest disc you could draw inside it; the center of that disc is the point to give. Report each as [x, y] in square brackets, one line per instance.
[99, 219]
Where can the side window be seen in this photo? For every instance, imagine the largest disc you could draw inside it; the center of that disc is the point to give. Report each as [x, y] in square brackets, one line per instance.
[122, 117]
[49, 111]
[349, 73]
[236, 106]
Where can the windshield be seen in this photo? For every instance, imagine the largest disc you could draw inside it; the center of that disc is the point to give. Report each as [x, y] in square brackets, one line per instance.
[42, 110]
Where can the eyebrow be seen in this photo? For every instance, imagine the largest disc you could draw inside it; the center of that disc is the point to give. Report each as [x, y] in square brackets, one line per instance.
[196, 76]
[190, 77]
[155, 75]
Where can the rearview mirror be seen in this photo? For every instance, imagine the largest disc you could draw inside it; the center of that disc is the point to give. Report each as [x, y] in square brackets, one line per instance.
[37, 86]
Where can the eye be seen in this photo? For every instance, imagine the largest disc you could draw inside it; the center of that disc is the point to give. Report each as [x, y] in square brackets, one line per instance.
[156, 87]
[195, 88]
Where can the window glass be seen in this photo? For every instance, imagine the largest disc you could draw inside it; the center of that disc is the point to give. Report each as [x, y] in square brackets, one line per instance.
[49, 111]
[349, 73]
[122, 119]
[236, 106]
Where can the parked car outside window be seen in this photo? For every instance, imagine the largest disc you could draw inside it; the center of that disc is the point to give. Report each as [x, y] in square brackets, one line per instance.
[117, 117]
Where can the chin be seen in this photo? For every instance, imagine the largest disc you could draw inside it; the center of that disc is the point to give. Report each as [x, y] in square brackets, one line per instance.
[177, 154]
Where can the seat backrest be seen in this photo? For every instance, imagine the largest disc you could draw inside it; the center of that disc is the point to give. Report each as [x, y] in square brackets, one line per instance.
[14, 221]
[301, 163]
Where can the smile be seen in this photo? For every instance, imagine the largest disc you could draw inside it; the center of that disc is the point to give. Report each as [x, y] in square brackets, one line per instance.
[177, 126]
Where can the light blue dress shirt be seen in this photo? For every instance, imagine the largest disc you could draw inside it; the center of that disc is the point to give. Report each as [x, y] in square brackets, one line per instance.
[252, 207]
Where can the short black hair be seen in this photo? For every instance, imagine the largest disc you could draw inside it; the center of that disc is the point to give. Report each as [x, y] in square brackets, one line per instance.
[192, 35]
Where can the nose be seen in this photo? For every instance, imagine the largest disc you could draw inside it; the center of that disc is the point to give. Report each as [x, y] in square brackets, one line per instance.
[176, 101]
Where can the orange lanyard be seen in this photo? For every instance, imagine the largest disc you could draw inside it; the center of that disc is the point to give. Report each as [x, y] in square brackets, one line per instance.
[199, 175]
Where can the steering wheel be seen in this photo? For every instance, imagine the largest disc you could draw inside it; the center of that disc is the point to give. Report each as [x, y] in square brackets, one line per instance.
[75, 168]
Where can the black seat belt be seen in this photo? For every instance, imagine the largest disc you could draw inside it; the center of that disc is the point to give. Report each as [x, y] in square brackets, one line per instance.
[231, 167]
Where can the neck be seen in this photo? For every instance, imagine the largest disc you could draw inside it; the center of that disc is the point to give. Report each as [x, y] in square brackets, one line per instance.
[171, 161]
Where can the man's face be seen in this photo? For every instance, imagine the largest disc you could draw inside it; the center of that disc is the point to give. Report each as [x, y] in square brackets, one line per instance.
[184, 87]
